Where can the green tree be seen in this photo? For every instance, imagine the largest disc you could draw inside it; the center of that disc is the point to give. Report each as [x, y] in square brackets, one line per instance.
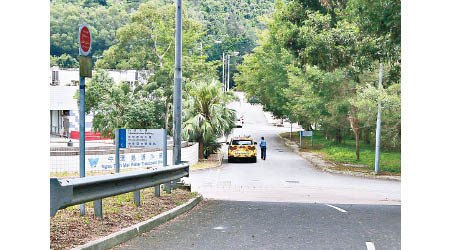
[205, 115]
[147, 42]
[120, 105]
[263, 75]
[335, 47]
[64, 61]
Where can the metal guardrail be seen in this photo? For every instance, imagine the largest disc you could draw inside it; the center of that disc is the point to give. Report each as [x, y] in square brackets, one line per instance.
[68, 192]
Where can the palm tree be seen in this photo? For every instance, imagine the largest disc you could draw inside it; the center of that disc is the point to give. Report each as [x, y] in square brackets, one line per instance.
[206, 117]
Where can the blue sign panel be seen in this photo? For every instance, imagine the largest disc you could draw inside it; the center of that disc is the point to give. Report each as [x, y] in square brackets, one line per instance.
[141, 138]
[122, 138]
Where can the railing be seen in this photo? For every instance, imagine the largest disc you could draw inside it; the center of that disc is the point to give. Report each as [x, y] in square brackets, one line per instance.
[69, 192]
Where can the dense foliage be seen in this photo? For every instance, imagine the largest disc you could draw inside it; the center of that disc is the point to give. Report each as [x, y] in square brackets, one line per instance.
[67, 16]
[121, 105]
[205, 115]
[318, 64]
[315, 62]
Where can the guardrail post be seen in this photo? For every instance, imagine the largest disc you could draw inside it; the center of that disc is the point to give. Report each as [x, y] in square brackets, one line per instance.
[98, 208]
[157, 191]
[137, 197]
[174, 184]
[167, 188]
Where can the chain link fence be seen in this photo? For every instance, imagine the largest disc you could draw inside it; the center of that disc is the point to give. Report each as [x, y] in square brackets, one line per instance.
[100, 158]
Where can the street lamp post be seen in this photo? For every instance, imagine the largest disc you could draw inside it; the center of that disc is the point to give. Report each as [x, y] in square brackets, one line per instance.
[226, 67]
[235, 53]
[223, 71]
[176, 159]
[228, 78]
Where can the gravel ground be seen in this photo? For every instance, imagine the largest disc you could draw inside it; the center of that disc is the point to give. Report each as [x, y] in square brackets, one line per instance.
[68, 229]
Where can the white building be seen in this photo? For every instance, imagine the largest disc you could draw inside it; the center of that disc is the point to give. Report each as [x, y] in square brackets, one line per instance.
[64, 110]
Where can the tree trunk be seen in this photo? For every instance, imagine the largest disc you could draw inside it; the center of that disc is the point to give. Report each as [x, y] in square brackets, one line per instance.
[200, 149]
[338, 136]
[366, 136]
[166, 116]
[354, 123]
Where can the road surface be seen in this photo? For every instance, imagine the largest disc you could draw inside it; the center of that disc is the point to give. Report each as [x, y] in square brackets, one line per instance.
[284, 176]
[280, 203]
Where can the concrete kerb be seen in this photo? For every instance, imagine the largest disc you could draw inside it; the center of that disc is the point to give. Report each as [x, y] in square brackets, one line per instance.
[126, 234]
[321, 164]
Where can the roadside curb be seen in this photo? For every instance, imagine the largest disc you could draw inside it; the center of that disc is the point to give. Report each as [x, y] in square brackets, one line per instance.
[323, 165]
[126, 234]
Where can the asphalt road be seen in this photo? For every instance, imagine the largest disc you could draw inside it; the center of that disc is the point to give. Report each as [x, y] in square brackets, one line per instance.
[276, 225]
[281, 203]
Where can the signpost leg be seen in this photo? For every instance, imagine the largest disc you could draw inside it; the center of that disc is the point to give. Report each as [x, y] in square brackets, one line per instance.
[82, 139]
[117, 151]
[312, 141]
[300, 136]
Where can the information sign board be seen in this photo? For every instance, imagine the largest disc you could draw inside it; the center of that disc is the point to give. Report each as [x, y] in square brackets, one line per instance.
[141, 138]
[307, 133]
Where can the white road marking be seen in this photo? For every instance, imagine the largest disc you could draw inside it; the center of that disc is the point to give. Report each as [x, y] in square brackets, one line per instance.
[370, 246]
[339, 209]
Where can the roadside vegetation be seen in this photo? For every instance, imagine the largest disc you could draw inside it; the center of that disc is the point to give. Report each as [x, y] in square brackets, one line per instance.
[318, 64]
[343, 153]
[68, 229]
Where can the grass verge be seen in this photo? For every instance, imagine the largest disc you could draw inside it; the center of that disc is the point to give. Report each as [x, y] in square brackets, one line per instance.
[68, 229]
[344, 154]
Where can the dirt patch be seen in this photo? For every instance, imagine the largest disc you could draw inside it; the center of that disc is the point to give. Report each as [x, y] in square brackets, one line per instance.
[213, 161]
[68, 229]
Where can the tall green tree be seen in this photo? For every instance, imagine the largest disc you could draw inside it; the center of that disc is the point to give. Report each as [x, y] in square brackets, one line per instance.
[147, 43]
[205, 115]
[120, 105]
[335, 48]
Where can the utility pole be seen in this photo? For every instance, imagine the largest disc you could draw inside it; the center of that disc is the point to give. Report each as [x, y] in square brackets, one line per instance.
[177, 87]
[378, 133]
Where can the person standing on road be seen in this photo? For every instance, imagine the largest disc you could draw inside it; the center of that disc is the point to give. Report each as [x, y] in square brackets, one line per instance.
[263, 145]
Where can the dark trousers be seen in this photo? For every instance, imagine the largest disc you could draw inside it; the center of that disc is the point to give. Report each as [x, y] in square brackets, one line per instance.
[263, 153]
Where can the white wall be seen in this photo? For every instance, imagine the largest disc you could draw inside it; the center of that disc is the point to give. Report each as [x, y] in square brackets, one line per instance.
[61, 98]
[99, 163]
